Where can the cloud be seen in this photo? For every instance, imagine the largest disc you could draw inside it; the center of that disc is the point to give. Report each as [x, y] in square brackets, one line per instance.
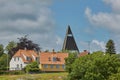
[26, 16]
[98, 45]
[32, 17]
[108, 20]
[93, 45]
[115, 4]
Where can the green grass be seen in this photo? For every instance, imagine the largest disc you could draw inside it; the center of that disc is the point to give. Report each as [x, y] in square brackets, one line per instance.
[42, 76]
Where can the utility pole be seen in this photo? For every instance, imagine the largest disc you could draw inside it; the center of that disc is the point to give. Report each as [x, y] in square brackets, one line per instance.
[7, 63]
[89, 42]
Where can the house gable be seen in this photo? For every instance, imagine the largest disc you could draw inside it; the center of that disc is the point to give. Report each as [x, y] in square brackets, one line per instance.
[22, 58]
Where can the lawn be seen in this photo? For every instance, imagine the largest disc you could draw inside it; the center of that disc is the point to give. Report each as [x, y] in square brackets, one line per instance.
[42, 76]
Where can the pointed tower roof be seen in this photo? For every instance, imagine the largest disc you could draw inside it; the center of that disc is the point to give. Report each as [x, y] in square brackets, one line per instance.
[68, 30]
[69, 41]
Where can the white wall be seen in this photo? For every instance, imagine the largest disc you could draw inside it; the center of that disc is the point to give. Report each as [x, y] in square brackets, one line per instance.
[13, 64]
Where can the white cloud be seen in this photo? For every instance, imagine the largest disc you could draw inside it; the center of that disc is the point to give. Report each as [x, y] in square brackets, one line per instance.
[32, 17]
[115, 4]
[93, 45]
[59, 40]
[98, 44]
[108, 20]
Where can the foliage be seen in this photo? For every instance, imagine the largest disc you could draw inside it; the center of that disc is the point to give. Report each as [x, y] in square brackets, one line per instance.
[25, 43]
[3, 62]
[110, 47]
[9, 48]
[96, 66]
[12, 72]
[114, 77]
[32, 68]
[4, 59]
[1, 49]
[69, 61]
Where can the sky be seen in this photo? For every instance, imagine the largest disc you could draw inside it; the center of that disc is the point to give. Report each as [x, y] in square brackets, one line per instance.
[93, 22]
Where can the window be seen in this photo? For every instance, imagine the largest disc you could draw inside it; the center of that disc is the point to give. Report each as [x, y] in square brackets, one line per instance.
[51, 66]
[37, 59]
[17, 65]
[58, 59]
[49, 59]
[45, 66]
[18, 58]
[28, 59]
[21, 65]
[54, 59]
[63, 66]
[57, 66]
[14, 58]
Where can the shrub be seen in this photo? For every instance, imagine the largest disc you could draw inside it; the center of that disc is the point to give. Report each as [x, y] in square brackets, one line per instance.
[11, 72]
[96, 66]
[32, 68]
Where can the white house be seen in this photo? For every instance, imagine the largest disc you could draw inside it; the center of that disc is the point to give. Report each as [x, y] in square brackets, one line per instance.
[21, 58]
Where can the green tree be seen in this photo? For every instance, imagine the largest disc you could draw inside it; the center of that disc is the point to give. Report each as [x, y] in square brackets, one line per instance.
[9, 48]
[69, 61]
[1, 49]
[114, 77]
[3, 62]
[32, 68]
[96, 66]
[25, 43]
[110, 47]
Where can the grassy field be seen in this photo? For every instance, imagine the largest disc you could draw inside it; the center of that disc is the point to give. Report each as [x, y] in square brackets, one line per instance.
[42, 76]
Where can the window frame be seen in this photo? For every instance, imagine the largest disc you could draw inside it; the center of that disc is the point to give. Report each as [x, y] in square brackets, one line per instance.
[51, 66]
[63, 66]
[57, 66]
[45, 65]
[54, 59]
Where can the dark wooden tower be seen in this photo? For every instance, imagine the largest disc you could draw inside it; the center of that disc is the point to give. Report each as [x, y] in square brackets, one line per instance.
[69, 41]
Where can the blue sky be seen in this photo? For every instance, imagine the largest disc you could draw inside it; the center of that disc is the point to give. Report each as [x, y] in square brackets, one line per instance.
[46, 21]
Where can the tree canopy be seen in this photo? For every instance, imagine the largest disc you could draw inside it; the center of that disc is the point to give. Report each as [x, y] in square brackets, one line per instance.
[69, 61]
[110, 47]
[9, 48]
[96, 66]
[23, 43]
[1, 49]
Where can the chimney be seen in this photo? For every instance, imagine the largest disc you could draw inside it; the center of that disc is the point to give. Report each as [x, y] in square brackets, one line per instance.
[53, 50]
[85, 50]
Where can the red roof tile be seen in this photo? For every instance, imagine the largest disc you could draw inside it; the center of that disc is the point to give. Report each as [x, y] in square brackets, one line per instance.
[47, 57]
[83, 53]
[27, 53]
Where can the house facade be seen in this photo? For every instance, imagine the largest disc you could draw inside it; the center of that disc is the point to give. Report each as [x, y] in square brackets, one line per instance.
[22, 58]
[52, 61]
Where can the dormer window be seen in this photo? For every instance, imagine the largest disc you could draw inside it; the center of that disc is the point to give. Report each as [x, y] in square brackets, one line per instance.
[49, 59]
[58, 59]
[54, 59]
[37, 58]
[28, 59]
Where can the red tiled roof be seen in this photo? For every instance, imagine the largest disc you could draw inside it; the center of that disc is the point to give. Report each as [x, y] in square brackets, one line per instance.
[47, 57]
[83, 53]
[27, 53]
